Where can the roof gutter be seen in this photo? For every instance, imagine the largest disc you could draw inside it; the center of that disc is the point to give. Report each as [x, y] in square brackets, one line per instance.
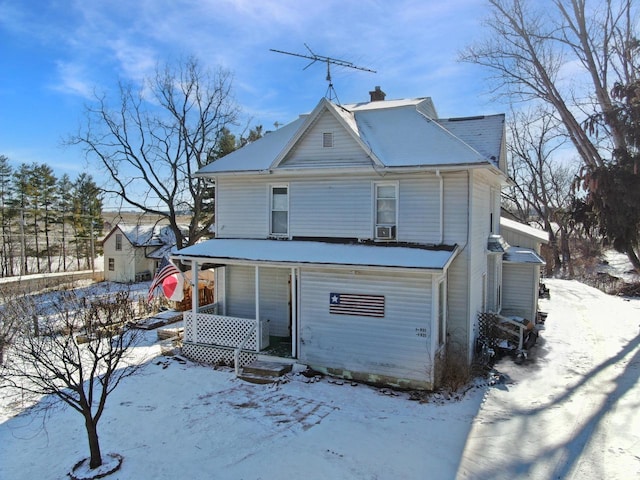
[220, 261]
[379, 170]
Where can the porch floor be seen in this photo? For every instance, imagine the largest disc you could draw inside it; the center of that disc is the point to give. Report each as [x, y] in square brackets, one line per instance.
[278, 347]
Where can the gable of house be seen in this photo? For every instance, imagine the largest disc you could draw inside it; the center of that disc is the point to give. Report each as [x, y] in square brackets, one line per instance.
[326, 143]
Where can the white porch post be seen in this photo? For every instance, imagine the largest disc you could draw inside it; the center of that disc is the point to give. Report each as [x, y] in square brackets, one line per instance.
[194, 298]
[220, 290]
[258, 331]
[294, 314]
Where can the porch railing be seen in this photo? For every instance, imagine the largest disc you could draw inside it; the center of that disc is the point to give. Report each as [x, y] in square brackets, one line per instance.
[220, 330]
[236, 352]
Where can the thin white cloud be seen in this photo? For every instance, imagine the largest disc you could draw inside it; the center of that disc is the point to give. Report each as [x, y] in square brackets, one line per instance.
[72, 79]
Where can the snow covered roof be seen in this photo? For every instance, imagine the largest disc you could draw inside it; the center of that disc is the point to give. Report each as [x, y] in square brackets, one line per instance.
[149, 235]
[140, 235]
[540, 235]
[522, 255]
[483, 133]
[296, 252]
[394, 133]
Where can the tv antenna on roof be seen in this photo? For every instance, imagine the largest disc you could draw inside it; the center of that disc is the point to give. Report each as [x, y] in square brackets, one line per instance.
[331, 92]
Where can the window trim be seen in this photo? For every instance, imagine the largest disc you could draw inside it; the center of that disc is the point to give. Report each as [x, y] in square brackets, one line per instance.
[374, 193]
[111, 264]
[118, 240]
[271, 210]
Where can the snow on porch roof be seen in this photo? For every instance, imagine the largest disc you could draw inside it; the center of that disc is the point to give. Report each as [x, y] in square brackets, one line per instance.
[296, 252]
[522, 255]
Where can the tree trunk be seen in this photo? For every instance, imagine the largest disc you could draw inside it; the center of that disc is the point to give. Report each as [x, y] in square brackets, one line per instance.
[633, 258]
[94, 444]
[555, 250]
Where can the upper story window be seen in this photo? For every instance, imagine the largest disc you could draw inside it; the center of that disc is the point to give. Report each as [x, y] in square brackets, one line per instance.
[386, 210]
[118, 241]
[327, 140]
[280, 210]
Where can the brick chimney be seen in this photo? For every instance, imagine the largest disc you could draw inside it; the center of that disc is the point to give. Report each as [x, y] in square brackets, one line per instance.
[377, 95]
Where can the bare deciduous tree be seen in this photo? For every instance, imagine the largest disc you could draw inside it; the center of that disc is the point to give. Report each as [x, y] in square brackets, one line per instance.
[542, 186]
[568, 54]
[157, 137]
[80, 354]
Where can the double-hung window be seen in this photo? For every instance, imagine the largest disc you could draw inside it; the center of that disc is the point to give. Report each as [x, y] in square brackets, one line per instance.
[280, 210]
[118, 241]
[386, 210]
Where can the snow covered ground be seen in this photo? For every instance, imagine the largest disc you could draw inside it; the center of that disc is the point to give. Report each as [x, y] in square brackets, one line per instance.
[570, 412]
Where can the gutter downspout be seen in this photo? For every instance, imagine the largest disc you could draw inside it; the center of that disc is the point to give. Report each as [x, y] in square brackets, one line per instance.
[441, 205]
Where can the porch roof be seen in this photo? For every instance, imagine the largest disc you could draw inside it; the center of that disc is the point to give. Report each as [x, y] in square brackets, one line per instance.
[522, 255]
[298, 252]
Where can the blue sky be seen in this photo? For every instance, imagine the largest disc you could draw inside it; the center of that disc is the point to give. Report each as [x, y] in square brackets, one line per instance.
[55, 53]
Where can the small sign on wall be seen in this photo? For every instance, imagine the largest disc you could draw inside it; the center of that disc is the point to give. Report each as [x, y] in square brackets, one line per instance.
[356, 304]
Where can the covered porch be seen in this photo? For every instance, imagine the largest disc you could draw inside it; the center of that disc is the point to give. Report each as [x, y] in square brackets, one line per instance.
[253, 316]
[257, 309]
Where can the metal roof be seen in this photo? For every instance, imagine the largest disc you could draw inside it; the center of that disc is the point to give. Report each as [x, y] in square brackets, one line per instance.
[396, 133]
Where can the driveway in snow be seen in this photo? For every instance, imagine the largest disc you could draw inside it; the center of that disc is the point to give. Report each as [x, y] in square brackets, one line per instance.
[573, 410]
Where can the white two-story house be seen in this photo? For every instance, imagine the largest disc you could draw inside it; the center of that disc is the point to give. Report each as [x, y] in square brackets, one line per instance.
[357, 238]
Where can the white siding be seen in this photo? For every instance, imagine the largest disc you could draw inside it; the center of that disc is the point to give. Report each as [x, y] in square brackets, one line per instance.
[309, 151]
[481, 226]
[331, 207]
[456, 217]
[458, 303]
[478, 236]
[517, 239]
[240, 290]
[342, 206]
[127, 262]
[520, 290]
[419, 209]
[456, 208]
[243, 208]
[398, 345]
[274, 299]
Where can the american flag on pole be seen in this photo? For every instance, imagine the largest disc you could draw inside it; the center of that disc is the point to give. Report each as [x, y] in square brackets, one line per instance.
[165, 270]
[356, 304]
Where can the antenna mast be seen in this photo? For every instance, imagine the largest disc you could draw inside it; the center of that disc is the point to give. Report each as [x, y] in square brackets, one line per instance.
[331, 92]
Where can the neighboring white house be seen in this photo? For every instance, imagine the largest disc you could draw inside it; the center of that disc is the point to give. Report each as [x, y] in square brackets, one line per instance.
[360, 234]
[132, 253]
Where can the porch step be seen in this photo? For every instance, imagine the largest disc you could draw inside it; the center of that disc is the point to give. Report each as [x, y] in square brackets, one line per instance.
[264, 372]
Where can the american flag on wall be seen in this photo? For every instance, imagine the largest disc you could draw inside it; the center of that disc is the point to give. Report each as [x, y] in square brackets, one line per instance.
[356, 304]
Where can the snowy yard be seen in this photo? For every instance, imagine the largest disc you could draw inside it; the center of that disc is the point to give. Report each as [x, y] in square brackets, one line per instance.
[569, 412]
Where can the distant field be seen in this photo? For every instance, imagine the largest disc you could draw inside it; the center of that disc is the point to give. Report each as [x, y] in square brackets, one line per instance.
[113, 218]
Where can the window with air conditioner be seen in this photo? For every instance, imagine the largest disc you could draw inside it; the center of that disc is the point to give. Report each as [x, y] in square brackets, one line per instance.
[386, 210]
[279, 222]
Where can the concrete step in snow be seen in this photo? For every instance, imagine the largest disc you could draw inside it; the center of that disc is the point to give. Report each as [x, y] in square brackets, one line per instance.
[264, 372]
